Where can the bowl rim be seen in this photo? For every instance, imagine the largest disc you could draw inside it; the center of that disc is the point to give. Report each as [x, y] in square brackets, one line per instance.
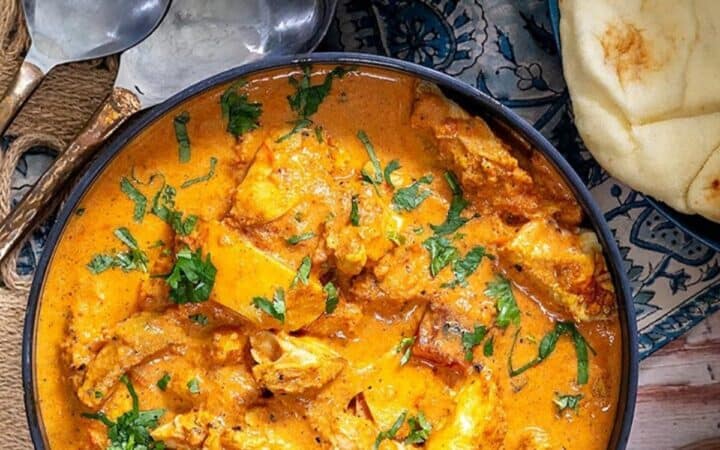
[481, 104]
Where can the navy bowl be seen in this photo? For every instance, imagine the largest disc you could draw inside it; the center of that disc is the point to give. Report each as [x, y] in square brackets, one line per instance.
[702, 229]
[470, 98]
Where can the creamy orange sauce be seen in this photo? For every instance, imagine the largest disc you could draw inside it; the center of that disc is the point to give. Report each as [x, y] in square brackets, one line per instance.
[80, 311]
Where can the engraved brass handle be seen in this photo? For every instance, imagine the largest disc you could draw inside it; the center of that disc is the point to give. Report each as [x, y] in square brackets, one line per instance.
[25, 82]
[119, 105]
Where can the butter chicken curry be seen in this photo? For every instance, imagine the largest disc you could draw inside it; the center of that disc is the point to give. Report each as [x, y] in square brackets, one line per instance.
[332, 258]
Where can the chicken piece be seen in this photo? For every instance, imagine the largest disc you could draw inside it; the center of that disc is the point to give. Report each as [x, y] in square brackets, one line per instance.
[245, 272]
[486, 168]
[340, 323]
[559, 201]
[186, 431]
[228, 346]
[565, 270]
[439, 337]
[293, 365]
[141, 336]
[533, 438]
[478, 421]
[274, 427]
[281, 175]
[403, 275]
[354, 246]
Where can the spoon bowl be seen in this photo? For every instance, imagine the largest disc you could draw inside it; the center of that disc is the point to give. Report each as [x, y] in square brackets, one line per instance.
[72, 30]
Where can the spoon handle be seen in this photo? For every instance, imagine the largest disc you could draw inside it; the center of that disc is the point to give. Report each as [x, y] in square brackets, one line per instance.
[25, 82]
[119, 105]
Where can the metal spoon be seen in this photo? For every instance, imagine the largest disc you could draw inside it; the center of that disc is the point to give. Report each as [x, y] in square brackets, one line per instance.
[196, 39]
[64, 31]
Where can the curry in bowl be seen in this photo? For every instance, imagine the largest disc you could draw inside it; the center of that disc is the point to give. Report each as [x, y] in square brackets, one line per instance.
[327, 257]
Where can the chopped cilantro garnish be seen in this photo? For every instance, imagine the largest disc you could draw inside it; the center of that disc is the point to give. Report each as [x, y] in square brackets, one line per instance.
[200, 319]
[307, 97]
[464, 267]
[391, 432]
[547, 347]
[564, 402]
[192, 278]
[453, 221]
[389, 169]
[163, 382]
[136, 196]
[420, 429]
[131, 431]
[331, 297]
[164, 208]
[405, 347]
[303, 272]
[181, 134]
[472, 339]
[508, 312]
[203, 178]
[319, 133]
[193, 386]
[275, 308]
[79, 212]
[377, 176]
[441, 253]
[241, 114]
[133, 259]
[409, 198]
[488, 347]
[298, 238]
[354, 211]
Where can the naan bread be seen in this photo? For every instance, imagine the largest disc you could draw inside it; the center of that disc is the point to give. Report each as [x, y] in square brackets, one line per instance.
[644, 78]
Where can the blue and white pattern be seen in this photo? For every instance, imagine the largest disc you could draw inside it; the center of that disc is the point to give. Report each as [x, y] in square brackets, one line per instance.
[506, 49]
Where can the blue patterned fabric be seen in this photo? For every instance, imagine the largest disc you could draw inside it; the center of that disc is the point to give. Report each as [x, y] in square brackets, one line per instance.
[506, 49]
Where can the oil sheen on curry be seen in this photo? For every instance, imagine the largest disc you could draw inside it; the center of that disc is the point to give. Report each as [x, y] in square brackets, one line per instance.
[330, 258]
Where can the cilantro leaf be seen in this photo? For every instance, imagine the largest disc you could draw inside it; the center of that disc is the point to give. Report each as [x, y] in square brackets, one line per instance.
[241, 114]
[507, 309]
[464, 267]
[193, 386]
[453, 221]
[163, 382]
[307, 98]
[192, 278]
[488, 347]
[132, 259]
[547, 347]
[164, 208]
[202, 178]
[472, 339]
[136, 196]
[303, 272]
[354, 211]
[200, 319]
[298, 238]
[331, 299]
[420, 429]
[405, 347]
[441, 253]
[377, 177]
[100, 263]
[131, 431]
[409, 198]
[181, 135]
[564, 402]
[391, 432]
[389, 169]
[274, 308]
